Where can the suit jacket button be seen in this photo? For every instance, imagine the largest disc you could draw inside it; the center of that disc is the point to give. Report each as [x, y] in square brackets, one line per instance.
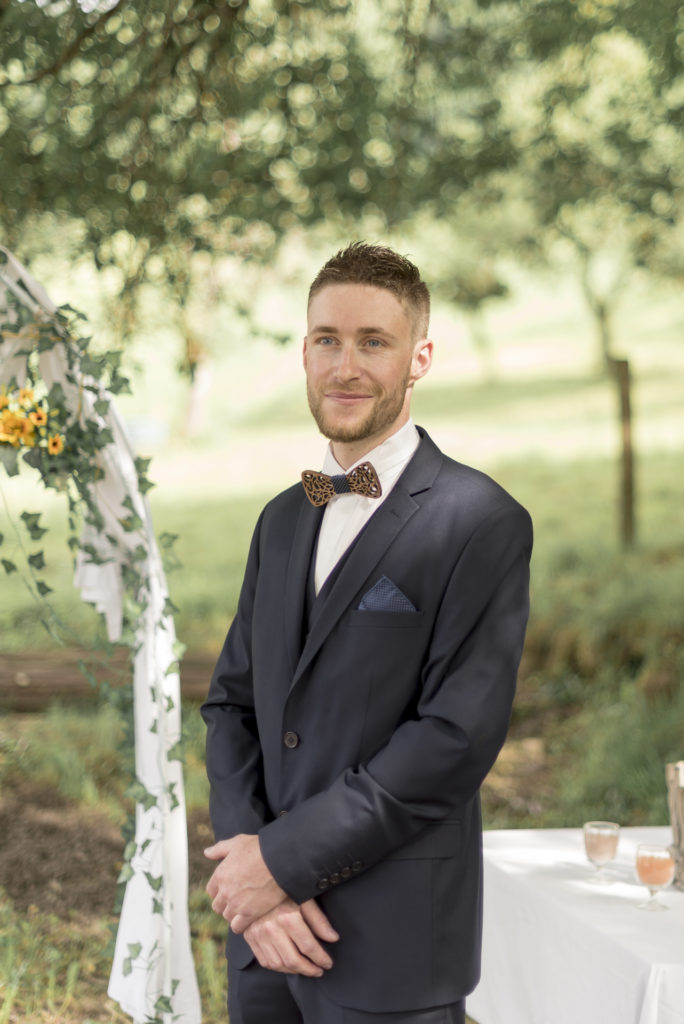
[346, 872]
[291, 739]
[323, 884]
[281, 814]
[335, 879]
[357, 866]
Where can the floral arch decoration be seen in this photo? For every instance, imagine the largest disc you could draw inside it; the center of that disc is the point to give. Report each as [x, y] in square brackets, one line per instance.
[57, 415]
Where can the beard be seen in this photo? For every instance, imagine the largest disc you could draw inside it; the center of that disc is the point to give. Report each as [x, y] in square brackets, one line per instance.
[383, 413]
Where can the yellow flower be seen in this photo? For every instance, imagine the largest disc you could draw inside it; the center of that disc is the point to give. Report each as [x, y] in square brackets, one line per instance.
[26, 396]
[27, 432]
[55, 445]
[38, 417]
[4, 401]
[11, 427]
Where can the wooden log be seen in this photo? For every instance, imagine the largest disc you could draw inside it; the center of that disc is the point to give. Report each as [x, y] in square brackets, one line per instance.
[30, 681]
[674, 775]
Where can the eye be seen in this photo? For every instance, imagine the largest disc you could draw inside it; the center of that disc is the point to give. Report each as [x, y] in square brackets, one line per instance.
[325, 340]
[373, 343]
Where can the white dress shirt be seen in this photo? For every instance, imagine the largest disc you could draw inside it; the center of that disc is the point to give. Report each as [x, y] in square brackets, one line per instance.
[346, 514]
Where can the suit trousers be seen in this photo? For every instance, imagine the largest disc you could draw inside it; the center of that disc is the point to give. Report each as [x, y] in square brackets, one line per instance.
[258, 996]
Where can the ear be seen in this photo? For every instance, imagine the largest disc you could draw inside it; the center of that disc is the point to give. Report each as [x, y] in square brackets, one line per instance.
[422, 359]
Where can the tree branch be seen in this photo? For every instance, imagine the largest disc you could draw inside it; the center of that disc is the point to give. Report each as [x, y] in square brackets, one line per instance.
[72, 49]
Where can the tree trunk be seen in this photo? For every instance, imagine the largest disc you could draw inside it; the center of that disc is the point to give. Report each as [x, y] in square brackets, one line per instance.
[620, 372]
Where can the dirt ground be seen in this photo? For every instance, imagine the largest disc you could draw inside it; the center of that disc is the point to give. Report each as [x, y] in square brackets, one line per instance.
[64, 859]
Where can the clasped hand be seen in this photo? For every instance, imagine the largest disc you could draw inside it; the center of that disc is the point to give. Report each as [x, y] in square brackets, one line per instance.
[282, 935]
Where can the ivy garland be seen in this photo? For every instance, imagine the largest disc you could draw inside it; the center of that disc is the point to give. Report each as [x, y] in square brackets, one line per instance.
[66, 445]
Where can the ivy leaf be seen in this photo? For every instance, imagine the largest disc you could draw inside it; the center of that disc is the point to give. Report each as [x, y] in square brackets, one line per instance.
[141, 467]
[125, 874]
[141, 795]
[175, 753]
[9, 457]
[56, 398]
[37, 561]
[8, 566]
[101, 406]
[134, 951]
[132, 521]
[43, 588]
[157, 906]
[31, 522]
[169, 607]
[156, 881]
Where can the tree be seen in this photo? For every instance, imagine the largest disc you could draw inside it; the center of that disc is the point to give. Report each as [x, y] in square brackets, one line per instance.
[600, 149]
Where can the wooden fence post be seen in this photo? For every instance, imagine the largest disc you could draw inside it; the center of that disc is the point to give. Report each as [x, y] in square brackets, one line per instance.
[674, 774]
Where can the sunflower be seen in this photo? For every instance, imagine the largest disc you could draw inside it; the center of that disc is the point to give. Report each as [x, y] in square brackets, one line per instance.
[55, 445]
[38, 417]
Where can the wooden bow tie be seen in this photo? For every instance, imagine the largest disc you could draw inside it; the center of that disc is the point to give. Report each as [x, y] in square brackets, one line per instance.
[320, 487]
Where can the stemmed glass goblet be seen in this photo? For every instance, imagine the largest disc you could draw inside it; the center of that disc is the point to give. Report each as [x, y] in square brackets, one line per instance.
[600, 844]
[655, 867]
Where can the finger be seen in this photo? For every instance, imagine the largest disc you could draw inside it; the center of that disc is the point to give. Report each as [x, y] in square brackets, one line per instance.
[221, 906]
[318, 922]
[218, 851]
[308, 946]
[276, 952]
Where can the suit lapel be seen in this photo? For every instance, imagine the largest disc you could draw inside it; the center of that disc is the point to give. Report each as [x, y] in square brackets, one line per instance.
[380, 531]
[307, 525]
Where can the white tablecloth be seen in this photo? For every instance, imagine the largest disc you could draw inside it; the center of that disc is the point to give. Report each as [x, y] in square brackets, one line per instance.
[558, 949]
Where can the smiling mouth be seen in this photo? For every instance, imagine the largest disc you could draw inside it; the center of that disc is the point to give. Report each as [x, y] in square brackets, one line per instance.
[346, 396]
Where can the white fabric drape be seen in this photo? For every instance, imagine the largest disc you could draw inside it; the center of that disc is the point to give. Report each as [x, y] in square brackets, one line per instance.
[153, 959]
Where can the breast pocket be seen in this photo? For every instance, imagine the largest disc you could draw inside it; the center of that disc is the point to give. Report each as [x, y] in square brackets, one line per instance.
[385, 620]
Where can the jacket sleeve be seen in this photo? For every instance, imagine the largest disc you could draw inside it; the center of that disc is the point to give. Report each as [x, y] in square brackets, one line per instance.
[435, 761]
[234, 762]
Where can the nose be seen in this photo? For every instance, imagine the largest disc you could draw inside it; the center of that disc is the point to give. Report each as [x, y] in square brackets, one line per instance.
[347, 367]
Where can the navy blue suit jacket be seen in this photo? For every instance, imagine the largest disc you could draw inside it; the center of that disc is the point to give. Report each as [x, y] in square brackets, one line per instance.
[357, 753]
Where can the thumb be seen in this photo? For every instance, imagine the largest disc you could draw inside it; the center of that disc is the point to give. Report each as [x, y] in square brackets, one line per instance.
[318, 922]
[218, 851]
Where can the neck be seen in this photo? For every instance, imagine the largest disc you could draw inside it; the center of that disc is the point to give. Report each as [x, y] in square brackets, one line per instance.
[348, 452]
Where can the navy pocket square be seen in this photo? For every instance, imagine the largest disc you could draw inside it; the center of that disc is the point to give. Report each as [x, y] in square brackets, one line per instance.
[385, 596]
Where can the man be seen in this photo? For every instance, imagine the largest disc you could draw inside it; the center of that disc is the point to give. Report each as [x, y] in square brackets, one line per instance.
[364, 690]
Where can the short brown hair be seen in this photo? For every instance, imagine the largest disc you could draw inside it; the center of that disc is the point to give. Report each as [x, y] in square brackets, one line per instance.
[377, 265]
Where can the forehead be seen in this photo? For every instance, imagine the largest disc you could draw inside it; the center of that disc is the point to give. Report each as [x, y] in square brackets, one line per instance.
[359, 306]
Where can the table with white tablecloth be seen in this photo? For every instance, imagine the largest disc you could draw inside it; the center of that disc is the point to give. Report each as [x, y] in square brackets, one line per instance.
[560, 948]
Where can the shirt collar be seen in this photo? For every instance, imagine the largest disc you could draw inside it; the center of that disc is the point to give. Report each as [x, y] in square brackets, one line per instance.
[394, 451]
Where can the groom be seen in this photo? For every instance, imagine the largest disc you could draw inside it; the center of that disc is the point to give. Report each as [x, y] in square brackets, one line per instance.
[364, 689]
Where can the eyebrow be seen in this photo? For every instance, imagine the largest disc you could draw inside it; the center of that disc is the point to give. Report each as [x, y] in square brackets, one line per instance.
[323, 329]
